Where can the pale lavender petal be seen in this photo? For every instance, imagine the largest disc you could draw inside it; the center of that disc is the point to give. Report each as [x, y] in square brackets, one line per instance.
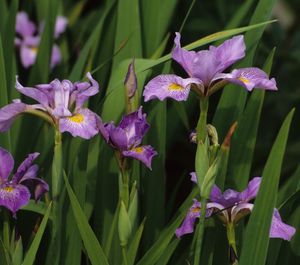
[193, 177]
[84, 92]
[229, 52]
[279, 229]
[215, 194]
[251, 191]
[104, 129]
[14, 197]
[28, 55]
[169, 86]
[230, 197]
[25, 169]
[82, 124]
[187, 226]
[55, 56]
[183, 57]
[32, 41]
[143, 153]
[250, 78]
[206, 66]
[9, 113]
[6, 165]
[24, 26]
[33, 93]
[219, 209]
[193, 137]
[60, 25]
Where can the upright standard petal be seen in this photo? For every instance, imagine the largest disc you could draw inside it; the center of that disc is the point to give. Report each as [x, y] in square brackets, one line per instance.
[6, 165]
[24, 26]
[229, 52]
[55, 56]
[9, 113]
[23, 170]
[279, 229]
[60, 26]
[251, 191]
[250, 78]
[135, 127]
[82, 123]
[193, 177]
[169, 86]
[143, 153]
[84, 90]
[14, 197]
[183, 57]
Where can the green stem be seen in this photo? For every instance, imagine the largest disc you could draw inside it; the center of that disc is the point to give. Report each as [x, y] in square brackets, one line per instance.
[232, 244]
[6, 233]
[200, 235]
[125, 187]
[202, 121]
[201, 135]
[57, 166]
[124, 254]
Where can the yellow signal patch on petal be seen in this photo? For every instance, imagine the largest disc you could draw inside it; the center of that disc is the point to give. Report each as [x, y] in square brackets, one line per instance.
[138, 149]
[9, 189]
[174, 86]
[78, 118]
[244, 80]
[196, 210]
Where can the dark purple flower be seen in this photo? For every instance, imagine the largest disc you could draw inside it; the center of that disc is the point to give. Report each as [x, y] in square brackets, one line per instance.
[16, 192]
[62, 101]
[127, 137]
[28, 39]
[230, 207]
[205, 69]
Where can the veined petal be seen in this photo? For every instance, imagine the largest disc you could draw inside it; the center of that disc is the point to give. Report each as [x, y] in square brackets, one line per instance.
[143, 153]
[60, 25]
[135, 127]
[187, 225]
[251, 191]
[183, 57]
[84, 90]
[28, 55]
[249, 78]
[6, 164]
[9, 113]
[55, 56]
[118, 137]
[240, 210]
[23, 25]
[14, 197]
[26, 169]
[33, 93]
[229, 52]
[169, 86]
[279, 229]
[83, 123]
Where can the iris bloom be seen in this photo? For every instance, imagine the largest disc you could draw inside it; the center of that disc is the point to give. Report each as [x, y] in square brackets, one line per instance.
[127, 137]
[205, 70]
[15, 192]
[231, 206]
[29, 37]
[61, 102]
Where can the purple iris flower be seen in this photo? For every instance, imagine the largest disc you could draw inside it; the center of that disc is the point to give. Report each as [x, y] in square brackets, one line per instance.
[16, 192]
[29, 38]
[62, 101]
[230, 206]
[127, 137]
[205, 70]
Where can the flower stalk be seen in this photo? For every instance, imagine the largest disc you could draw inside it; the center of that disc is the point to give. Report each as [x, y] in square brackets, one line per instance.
[232, 245]
[201, 135]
